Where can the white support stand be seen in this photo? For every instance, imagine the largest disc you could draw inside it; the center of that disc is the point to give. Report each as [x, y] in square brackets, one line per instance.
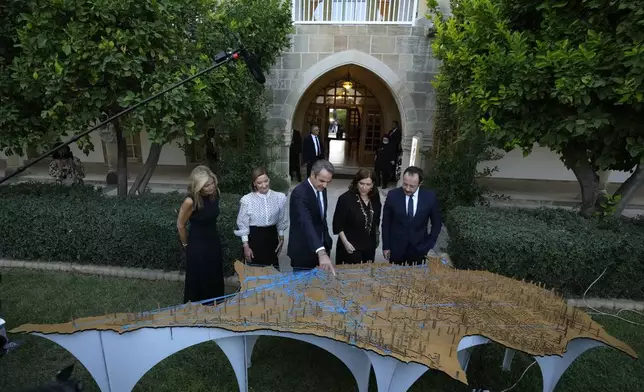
[118, 361]
[464, 350]
[250, 345]
[354, 358]
[554, 366]
[507, 359]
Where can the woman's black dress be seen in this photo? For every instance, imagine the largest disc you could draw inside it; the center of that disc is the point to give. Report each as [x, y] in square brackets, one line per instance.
[360, 223]
[204, 257]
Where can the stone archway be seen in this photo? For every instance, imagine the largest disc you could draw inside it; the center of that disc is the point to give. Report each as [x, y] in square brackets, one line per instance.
[396, 86]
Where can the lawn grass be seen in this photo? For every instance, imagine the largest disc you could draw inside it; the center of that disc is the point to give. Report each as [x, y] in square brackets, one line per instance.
[279, 364]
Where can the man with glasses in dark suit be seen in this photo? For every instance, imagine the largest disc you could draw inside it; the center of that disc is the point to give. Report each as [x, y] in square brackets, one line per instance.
[407, 212]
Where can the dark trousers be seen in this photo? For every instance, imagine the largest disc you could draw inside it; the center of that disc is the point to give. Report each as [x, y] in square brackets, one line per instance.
[295, 167]
[357, 257]
[410, 259]
[383, 175]
[263, 241]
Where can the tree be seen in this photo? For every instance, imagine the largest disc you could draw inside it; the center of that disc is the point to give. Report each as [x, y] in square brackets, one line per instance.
[89, 59]
[566, 75]
[17, 112]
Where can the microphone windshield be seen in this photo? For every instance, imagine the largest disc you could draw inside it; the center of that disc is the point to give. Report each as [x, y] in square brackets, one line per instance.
[253, 66]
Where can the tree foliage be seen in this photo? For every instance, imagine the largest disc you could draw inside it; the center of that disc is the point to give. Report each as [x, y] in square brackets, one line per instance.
[568, 76]
[83, 60]
[457, 160]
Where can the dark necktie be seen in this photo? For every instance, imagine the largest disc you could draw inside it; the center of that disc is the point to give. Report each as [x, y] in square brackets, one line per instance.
[410, 207]
[317, 146]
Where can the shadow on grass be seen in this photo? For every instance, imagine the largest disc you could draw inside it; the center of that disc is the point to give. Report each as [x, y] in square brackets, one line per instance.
[279, 364]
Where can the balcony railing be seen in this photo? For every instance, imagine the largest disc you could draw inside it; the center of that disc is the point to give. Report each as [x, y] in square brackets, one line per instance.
[354, 11]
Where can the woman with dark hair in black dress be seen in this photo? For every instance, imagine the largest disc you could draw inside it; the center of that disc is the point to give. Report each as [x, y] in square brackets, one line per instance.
[356, 220]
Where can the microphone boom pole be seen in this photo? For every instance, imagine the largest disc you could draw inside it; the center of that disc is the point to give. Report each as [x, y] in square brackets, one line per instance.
[221, 59]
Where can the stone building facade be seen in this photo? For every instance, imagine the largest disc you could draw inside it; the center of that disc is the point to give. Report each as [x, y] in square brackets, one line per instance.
[398, 56]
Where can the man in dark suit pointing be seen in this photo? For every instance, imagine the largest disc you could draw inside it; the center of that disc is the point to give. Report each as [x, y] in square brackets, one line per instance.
[309, 242]
[405, 217]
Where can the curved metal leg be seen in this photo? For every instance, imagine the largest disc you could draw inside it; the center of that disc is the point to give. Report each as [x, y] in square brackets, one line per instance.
[405, 375]
[87, 348]
[507, 359]
[353, 357]
[464, 350]
[250, 345]
[554, 366]
[393, 375]
[384, 368]
[234, 348]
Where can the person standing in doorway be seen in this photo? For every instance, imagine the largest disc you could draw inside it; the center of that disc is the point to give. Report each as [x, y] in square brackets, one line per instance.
[395, 138]
[295, 155]
[202, 243]
[309, 242]
[262, 221]
[385, 162]
[312, 149]
[405, 218]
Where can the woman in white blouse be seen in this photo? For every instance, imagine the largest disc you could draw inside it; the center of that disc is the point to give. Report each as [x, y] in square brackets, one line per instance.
[262, 221]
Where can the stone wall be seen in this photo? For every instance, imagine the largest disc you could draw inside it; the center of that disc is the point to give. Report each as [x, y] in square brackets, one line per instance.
[399, 55]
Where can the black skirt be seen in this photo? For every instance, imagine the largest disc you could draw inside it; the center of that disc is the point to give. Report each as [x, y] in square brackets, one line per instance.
[263, 242]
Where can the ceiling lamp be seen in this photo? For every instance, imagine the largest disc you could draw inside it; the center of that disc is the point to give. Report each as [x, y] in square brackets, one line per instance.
[348, 84]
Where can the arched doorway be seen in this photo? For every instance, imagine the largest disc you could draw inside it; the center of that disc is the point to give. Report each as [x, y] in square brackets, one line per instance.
[354, 109]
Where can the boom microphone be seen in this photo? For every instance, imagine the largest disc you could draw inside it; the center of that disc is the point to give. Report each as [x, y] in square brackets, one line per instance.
[251, 62]
[253, 66]
[220, 59]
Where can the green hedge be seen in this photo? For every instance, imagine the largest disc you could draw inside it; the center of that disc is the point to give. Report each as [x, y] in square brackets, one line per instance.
[52, 222]
[552, 246]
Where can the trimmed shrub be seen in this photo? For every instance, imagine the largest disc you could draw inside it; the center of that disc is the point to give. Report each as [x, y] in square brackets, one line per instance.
[552, 246]
[50, 222]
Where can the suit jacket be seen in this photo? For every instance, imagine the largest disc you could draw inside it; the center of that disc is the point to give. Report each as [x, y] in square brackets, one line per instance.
[308, 230]
[395, 139]
[406, 237]
[308, 149]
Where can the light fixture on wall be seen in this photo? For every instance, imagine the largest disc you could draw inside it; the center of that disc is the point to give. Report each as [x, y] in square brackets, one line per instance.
[348, 84]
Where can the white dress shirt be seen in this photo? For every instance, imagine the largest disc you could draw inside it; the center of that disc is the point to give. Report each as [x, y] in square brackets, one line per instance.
[261, 210]
[415, 202]
[316, 144]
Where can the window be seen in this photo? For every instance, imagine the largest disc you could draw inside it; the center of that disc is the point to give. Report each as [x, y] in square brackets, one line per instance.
[356, 11]
[335, 94]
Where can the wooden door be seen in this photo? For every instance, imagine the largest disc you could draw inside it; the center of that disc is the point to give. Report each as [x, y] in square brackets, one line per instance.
[372, 136]
[353, 133]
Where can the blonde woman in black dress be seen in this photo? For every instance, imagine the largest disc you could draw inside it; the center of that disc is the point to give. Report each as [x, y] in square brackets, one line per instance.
[202, 243]
[356, 220]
